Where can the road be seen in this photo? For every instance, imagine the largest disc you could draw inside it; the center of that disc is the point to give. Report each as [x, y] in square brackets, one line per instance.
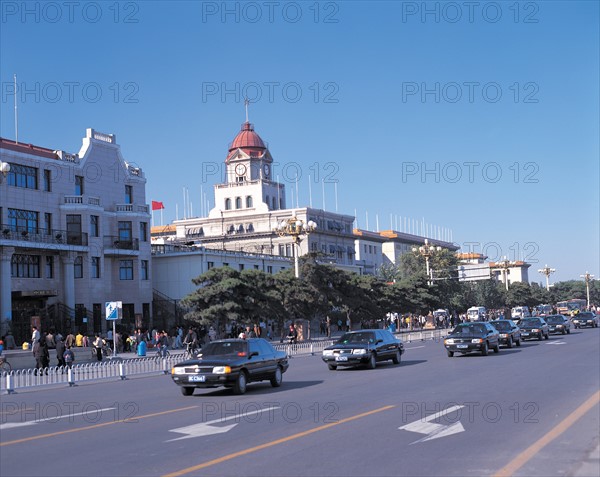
[350, 422]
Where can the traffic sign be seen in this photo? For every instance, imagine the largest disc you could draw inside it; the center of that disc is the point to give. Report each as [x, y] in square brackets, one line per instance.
[112, 310]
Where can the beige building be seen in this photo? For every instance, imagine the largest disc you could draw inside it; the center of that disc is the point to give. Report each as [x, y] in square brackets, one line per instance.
[74, 234]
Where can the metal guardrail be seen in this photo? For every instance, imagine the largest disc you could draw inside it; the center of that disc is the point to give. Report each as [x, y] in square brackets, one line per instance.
[121, 369]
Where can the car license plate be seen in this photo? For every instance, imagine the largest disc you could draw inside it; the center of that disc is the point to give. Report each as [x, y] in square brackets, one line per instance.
[197, 379]
[341, 358]
[462, 346]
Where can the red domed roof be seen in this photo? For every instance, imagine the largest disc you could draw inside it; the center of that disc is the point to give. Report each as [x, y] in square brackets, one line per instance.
[247, 139]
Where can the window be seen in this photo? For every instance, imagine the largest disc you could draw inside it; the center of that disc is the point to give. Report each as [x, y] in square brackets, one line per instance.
[95, 267]
[240, 229]
[22, 176]
[241, 266]
[274, 203]
[144, 231]
[94, 225]
[25, 266]
[47, 180]
[227, 204]
[23, 220]
[281, 250]
[255, 267]
[49, 266]
[125, 269]
[144, 271]
[270, 269]
[78, 185]
[210, 265]
[125, 231]
[225, 264]
[267, 200]
[47, 223]
[365, 247]
[238, 202]
[249, 202]
[74, 229]
[78, 266]
[128, 194]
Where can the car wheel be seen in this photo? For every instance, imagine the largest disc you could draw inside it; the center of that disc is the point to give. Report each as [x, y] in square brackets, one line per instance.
[450, 354]
[510, 342]
[277, 378]
[564, 332]
[569, 331]
[396, 358]
[519, 342]
[497, 347]
[484, 351]
[540, 337]
[239, 387]
[332, 367]
[187, 391]
[372, 361]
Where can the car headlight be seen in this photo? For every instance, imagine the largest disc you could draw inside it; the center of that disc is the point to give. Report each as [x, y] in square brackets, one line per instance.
[449, 341]
[536, 330]
[327, 352]
[179, 370]
[503, 335]
[559, 326]
[476, 340]
[221, 370]
[359, 351]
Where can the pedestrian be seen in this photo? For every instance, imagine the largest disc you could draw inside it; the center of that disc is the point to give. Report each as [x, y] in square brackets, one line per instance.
[98, 342]
[41, 354]
[50, 341]
[328, 325]
[35, 336]
[10, 341]
[69, 357]
[70, 340]
[292, 334]
[79, 340]
[60, 350]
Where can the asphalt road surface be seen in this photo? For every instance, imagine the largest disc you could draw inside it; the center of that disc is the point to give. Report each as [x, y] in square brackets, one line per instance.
[528, 411]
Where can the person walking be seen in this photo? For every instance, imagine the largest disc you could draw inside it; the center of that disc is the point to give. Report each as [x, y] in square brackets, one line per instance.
[35, 336]
[98, 342]
[69, 357]
[41, 354]
[60, 350]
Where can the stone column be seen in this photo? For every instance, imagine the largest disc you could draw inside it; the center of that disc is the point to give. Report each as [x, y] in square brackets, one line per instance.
[5, 289]
[68, 275]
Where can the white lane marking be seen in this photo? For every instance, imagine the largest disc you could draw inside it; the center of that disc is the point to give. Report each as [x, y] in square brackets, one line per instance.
[432, 429]
[12, 425]
[415, 347]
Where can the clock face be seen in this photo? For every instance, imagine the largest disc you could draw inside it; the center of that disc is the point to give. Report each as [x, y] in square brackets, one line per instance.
[240, 169]
[267, 170]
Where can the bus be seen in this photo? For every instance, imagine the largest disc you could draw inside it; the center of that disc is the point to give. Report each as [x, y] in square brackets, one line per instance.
[571, 307]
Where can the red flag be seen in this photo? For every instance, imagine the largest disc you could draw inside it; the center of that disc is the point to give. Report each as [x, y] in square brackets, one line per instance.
[157, 205]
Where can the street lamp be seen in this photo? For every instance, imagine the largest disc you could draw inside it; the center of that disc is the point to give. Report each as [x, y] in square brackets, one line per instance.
[295, 228]
[4, 168]
[588, 278]
[505, 264]
[547, 271]
[426, 251]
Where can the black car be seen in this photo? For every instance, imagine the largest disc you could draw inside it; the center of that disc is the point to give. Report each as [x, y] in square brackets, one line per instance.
[231, 363]
[469, 337]
[558, 324]
[363, 347]
[534, 327]
[585, 318]
[510, 333]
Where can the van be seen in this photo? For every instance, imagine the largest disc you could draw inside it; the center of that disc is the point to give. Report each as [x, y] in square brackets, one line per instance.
[476, 313]
[520, 312]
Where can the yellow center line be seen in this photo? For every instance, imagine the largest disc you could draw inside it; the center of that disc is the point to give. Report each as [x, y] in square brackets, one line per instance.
[95, 426]
[537, 446]
[273, 443]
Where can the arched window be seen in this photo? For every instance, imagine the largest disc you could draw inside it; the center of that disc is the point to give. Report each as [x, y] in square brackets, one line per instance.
[267, 201]
[274, 204]
[238, 202]
[240, 229]
[249, 202]
[227, 204]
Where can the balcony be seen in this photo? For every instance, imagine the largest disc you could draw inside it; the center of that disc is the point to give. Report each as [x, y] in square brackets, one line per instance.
[132, 208]
[115, 245]
[42, 236]
[82, 200]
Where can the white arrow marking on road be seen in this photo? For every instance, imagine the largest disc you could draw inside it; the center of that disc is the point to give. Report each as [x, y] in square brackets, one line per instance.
[206, 428]
[11, 425]
[557, 342]
[433, 430]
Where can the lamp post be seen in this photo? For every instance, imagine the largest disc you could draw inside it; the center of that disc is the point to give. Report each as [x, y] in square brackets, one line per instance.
[547, 271]
[505, 264]
[587, 277]
[4, 168]
[297, 229]
[426, 251]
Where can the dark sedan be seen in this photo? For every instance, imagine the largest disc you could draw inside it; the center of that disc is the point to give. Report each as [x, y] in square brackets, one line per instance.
[233, 364]
[363, 347]
[534, 327]
[558, 324]
[469, 337]
[585, 318]
[510, 333]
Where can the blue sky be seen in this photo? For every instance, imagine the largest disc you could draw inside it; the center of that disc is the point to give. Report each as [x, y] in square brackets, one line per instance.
[481, 119]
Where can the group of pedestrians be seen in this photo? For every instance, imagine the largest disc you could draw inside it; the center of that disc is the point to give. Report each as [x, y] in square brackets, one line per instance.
[42, 343]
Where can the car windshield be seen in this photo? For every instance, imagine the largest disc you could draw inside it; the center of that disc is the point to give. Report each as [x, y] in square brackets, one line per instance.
[501, 325]
[223, 348]
[587, 315]
[554, 320]
[469, 329]
[530, 322]
[359, 337]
